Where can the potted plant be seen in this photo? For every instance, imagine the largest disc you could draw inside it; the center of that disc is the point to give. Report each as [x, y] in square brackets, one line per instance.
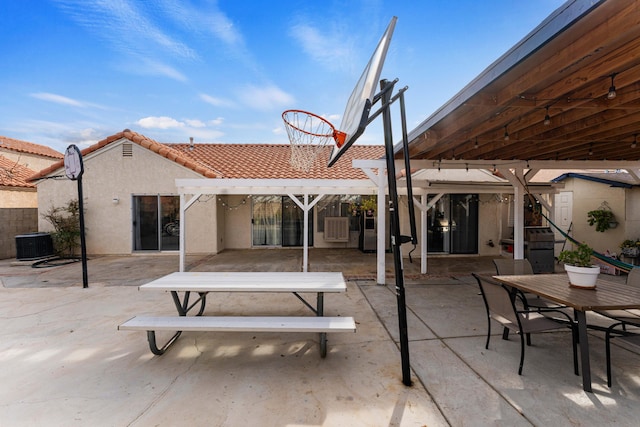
[581, 271]
[369, 205]
[630, 248]
[603, 219]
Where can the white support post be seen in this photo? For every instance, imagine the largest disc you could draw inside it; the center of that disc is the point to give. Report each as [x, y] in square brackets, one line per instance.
[184, 205]
[423, 234]
[517, 181]
[305, 238]
[518, 222]
[183, 218]
[305, 206]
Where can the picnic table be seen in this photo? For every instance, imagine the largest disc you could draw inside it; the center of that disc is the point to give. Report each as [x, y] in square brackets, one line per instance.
[183, 285]
[606, 296]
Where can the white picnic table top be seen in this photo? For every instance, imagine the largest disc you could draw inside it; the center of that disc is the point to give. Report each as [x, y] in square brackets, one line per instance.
[234, 281]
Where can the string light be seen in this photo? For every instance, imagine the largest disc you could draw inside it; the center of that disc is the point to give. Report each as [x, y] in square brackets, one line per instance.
[612, 89]
[547, 119]
[231, 207]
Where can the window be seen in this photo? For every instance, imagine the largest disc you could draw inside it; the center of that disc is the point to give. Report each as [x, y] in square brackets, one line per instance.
[156, 223]
[332, 206]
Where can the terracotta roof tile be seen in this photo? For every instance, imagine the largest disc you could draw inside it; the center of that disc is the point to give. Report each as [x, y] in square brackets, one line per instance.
[28, 147]
[13, 174]
[272, 161]
[161, 149]
[240, 160]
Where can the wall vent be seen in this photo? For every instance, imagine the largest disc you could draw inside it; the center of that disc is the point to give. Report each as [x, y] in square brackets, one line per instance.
[336, 229]
[127, 149]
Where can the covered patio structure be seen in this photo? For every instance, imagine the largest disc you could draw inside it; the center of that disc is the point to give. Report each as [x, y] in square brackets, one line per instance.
[566, 97]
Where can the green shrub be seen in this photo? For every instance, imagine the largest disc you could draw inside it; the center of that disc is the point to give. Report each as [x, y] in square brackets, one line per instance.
[66, 224]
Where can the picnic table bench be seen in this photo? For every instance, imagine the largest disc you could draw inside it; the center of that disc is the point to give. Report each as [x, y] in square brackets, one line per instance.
[181, 285]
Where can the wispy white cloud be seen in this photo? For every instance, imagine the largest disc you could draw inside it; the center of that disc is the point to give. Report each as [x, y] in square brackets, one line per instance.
[331, 49]
[215, 101]
[264, 98]
[205, 134]
[160, 34]
[84, 137]
[60, 134]
[209, 20]
[161, 122]
[124, 24]
[57, 99]
[166, 122]
[152, 67]
[195, 123]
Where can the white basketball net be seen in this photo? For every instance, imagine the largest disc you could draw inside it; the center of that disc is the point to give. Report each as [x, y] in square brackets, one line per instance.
[308, 135]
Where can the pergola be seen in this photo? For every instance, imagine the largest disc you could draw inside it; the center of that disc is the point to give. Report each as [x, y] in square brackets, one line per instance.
[566, 97]
[306, 193]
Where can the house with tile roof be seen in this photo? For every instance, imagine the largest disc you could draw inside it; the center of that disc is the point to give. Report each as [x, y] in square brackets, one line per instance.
[132, 198]
[18, 205]
[28, 154]
[132, 205]
[15, 190]
[19, 160]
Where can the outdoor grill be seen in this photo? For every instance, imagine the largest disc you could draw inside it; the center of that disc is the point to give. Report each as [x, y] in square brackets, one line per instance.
[539, 244]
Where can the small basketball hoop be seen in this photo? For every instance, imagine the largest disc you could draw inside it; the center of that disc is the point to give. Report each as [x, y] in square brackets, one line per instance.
[308, 134]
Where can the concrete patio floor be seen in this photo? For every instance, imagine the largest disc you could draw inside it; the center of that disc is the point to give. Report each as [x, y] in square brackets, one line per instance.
[65, 363]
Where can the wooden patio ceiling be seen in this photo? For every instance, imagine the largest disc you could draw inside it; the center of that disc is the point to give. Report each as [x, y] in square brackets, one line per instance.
[563, 69]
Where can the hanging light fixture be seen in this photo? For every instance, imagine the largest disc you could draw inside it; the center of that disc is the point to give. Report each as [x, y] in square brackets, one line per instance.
[506, 134]
[612, 89]
[591, 149]
[634, 144]
[476, 144]
[547, 119]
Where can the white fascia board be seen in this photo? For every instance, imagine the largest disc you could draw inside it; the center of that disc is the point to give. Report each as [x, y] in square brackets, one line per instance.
[274, 186]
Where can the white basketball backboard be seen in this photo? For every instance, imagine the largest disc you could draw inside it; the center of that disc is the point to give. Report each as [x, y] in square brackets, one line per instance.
[356, 113]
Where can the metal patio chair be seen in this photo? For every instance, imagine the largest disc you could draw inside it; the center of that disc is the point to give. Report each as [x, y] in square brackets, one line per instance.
[508, 266]
[631, 316]
[499, 301]
[619, 332]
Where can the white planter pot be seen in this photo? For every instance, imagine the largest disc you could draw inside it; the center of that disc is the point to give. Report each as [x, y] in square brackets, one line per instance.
[582, 277]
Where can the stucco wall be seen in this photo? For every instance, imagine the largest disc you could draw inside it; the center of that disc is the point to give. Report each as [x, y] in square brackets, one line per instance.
[237, 219]
[588, 196]
[632, 214]
[490, 212]
[18, 198]
[32, 161]
[14, 222]
[109, 175]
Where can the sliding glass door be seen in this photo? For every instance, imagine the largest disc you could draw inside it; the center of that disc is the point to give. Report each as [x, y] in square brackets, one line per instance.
[453, 225]
[279, 221]
[156, 223]
[267, 221]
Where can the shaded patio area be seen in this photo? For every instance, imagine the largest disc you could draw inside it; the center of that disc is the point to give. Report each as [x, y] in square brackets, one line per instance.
[65, 363]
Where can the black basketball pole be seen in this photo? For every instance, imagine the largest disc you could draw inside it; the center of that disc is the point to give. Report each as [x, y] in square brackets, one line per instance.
[74, 169]
[396, 241]
[83, 240]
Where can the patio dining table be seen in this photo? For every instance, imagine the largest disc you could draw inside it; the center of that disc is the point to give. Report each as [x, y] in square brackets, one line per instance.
[607, 295]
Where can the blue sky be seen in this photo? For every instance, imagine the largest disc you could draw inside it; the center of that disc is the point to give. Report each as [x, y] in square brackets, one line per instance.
[77, 71]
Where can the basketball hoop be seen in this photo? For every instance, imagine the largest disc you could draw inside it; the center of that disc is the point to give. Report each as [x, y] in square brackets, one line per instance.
[308, 134]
